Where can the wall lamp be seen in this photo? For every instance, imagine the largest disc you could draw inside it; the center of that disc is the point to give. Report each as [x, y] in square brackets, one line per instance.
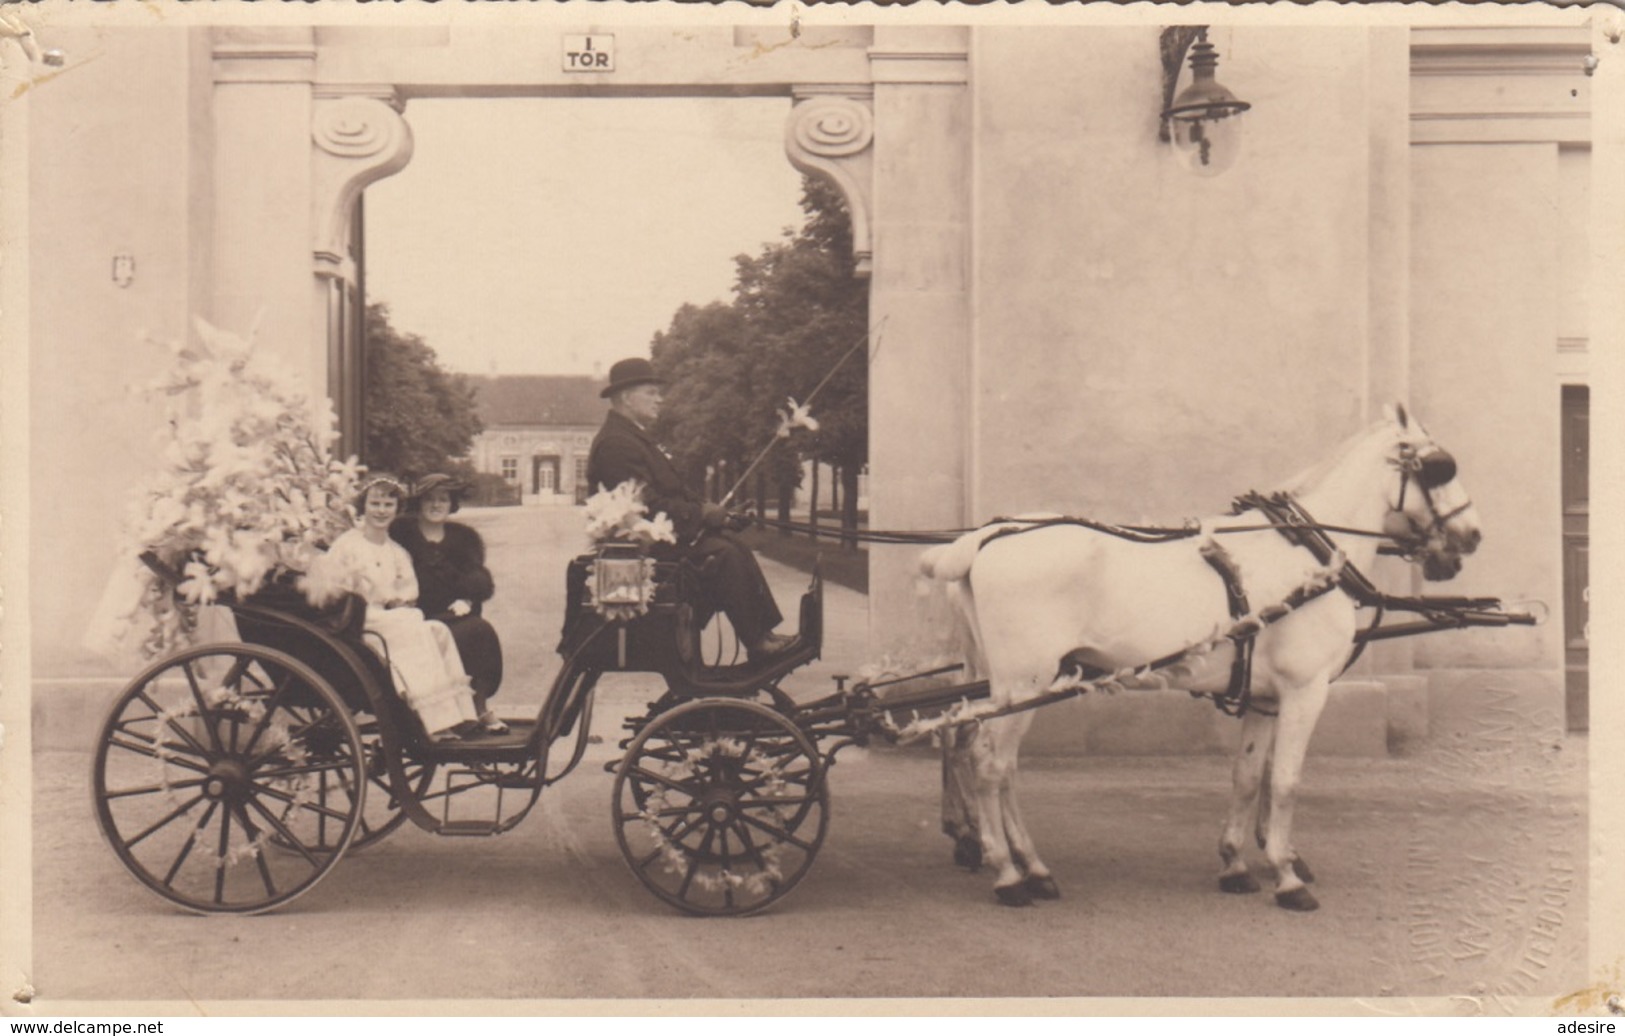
[1201, 122]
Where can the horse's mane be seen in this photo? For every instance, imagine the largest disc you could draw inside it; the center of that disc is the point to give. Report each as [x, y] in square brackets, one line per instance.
[1313, 475]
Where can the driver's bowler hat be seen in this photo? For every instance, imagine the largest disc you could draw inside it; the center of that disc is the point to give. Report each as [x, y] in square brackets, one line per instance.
[628, 373]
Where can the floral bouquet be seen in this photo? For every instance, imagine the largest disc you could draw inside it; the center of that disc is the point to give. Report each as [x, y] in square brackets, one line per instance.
[246, 491]
[619, 515]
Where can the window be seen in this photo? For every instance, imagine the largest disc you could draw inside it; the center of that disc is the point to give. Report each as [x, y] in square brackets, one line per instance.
[510, 469]
[581, 472]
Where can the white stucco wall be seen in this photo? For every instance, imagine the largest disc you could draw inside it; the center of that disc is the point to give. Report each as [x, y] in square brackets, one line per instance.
[112, 170]
[1150, 343]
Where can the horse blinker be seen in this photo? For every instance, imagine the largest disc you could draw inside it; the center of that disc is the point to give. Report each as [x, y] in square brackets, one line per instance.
[1435, 468]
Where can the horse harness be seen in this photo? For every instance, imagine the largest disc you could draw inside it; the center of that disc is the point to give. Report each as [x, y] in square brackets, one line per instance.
[1429, 469]
[1283, 514]
[1298, 528]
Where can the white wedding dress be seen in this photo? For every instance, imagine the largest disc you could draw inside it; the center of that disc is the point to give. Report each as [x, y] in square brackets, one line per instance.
[422, 655]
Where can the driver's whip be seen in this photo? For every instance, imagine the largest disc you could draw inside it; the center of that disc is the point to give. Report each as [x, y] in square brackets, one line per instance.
[806, 403]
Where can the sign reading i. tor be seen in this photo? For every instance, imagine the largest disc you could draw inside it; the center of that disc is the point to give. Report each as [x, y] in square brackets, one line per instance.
[589, 53]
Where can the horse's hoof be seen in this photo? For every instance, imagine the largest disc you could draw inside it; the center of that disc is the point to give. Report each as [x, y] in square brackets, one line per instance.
[1302, 870]
[1238, 883]
[1299, 898]
[1042, 887]
[1013, 895]
[968, 853]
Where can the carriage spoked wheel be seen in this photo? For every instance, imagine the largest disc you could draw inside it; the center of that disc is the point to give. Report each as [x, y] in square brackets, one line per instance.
[212, 757]
[720, 806]
[381, 813]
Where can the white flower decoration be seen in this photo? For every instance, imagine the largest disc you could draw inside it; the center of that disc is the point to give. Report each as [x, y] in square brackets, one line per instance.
[618, 516]
[797, 416]
[246, 487]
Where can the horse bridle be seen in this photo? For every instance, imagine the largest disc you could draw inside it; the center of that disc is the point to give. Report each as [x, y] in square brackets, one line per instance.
[1430, 467]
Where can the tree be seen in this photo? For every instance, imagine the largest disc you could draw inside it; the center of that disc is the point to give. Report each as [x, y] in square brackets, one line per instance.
[798, 309]
[807, 311]
[421, 418]
[701, 356]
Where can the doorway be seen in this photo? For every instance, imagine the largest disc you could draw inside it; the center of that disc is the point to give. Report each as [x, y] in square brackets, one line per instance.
[1576, 495]
[544, 475]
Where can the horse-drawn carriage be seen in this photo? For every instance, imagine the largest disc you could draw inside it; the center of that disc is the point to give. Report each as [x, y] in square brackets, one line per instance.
[231, 777]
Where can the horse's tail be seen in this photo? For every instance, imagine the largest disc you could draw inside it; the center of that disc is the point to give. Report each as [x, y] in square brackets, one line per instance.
[943, 563]
[964, 599]
[951, 563]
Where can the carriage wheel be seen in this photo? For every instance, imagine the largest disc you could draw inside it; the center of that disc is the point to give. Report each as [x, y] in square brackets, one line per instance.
[381, 812]
[720, 806]
[212, 756]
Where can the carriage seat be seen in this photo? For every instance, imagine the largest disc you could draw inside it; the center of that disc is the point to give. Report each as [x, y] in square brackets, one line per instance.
[666, 638]
[676, 582]
[279, 616]
[343, 618]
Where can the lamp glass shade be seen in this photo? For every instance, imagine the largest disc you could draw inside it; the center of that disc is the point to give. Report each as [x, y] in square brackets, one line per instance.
[1207, 147]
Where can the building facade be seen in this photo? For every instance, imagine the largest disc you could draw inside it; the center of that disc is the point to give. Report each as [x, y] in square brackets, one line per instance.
[537, 431]
[1072, 321]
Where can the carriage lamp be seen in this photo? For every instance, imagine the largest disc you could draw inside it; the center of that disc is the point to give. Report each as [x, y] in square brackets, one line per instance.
[1202, 121]
[620, 576]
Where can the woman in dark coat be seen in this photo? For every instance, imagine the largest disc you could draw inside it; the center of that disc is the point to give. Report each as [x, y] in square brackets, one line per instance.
[453, 583]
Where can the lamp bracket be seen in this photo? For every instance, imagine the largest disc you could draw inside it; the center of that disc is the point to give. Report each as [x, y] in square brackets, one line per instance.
[1175, 43]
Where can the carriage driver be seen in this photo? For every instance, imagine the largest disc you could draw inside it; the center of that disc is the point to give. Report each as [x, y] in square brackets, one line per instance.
[625, 448]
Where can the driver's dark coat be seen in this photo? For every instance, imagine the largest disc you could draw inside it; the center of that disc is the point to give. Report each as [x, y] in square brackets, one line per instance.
[621, 451]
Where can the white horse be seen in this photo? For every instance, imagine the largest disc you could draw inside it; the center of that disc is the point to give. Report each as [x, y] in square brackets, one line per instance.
[1102, 602]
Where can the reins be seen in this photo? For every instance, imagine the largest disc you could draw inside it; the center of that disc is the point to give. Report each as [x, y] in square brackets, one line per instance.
[1285, 516]
[1135, 533]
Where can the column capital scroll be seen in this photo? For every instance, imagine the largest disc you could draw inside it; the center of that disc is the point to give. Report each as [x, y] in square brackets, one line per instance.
[830, 133]
[358, 137]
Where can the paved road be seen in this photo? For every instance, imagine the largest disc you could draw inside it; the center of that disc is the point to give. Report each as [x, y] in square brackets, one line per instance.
[1430, 877]
[1458, 872]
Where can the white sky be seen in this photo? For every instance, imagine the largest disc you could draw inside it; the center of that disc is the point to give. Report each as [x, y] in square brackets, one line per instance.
[549, 235]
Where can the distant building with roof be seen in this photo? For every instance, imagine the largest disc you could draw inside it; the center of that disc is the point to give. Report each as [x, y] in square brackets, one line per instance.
[538, 429]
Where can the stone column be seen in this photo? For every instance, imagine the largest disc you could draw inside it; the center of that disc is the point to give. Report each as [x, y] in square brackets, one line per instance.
[359, 137]
[919, 303]
[260, 252]
[1388, 273]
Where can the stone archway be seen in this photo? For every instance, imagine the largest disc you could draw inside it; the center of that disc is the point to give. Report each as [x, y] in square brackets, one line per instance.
[361, 137]
[882, 112]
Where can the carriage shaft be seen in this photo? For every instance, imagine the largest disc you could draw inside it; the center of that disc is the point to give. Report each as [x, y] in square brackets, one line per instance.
[1453, 620]
[934, 697]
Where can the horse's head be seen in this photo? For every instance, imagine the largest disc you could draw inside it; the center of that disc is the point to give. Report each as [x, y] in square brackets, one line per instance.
[1431, 516]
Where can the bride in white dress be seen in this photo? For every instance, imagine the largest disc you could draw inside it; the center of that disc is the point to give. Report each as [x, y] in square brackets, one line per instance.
[423, 658]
